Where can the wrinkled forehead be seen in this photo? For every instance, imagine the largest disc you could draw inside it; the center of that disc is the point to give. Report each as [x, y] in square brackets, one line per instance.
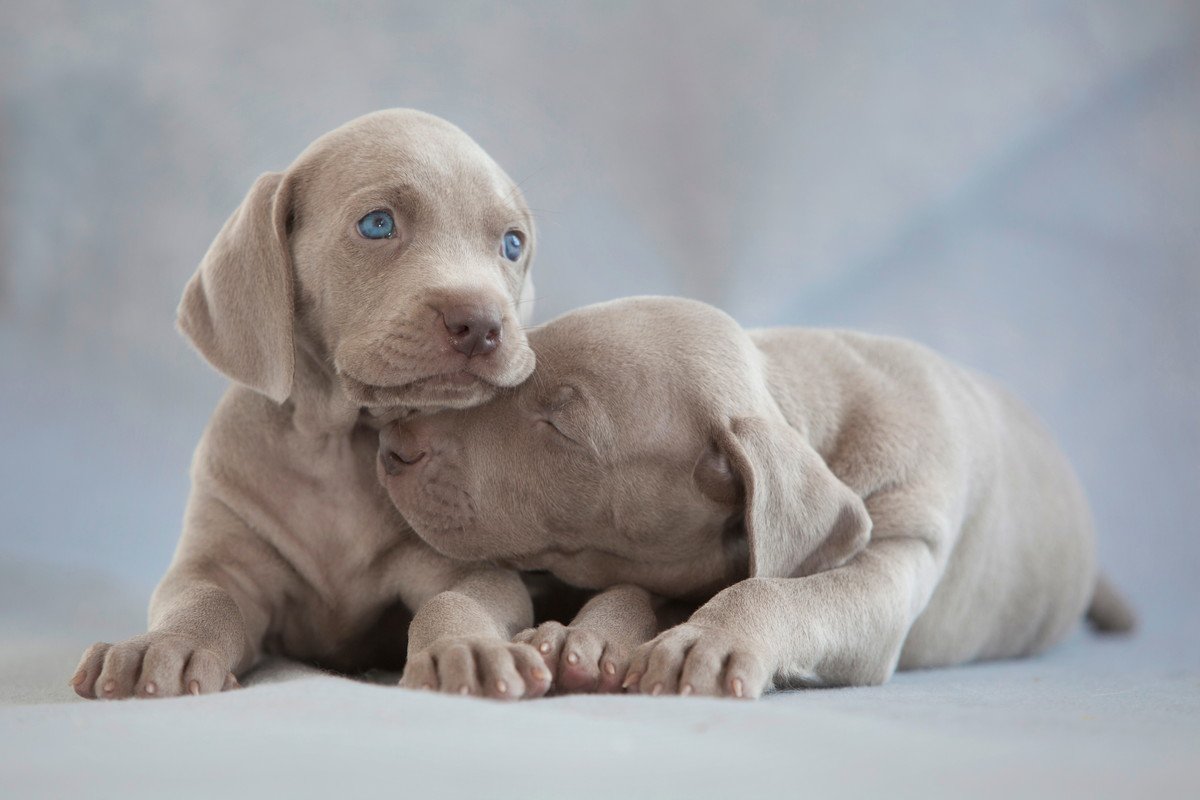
[417, 152]
[666, 338]
[646, 360]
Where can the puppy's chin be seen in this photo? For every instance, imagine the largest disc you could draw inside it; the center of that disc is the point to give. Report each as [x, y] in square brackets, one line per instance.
[438, 511]
[447, 390]
[441, 534]
[445, 544]
[463, 385]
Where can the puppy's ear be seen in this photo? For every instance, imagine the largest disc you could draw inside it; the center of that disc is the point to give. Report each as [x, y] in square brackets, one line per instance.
[715, 478]
[238, 308]
[800, 519]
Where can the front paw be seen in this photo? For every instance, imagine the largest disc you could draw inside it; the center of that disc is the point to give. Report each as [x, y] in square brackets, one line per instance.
[701, 660]
[579, 659]
[480, 666]
[151, 665]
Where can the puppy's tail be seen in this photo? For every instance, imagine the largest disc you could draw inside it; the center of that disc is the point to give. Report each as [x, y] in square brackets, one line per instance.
[1109, 611]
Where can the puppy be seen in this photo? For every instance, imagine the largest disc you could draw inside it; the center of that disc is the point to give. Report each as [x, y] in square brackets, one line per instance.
[841, 504]
[378, 274]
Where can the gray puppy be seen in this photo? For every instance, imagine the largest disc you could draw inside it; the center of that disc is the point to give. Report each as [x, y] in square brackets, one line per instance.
[841, 504]
[379, 273]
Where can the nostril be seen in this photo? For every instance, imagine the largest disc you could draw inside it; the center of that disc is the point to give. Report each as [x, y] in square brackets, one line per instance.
[394, 462]
[474, 330]
[398, 449]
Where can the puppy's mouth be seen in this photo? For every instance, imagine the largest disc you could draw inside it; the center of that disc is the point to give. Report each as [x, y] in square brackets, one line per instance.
[453, 389]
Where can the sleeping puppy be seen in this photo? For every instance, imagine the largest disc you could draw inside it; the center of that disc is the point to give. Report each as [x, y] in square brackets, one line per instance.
[842, 505]
[378, 274]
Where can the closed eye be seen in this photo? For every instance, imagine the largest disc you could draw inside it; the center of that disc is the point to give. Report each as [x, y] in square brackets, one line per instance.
[548, 424]
[545, 423]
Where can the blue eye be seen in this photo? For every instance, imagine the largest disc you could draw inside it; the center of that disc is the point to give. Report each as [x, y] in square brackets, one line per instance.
[512, 245]
[377, 225]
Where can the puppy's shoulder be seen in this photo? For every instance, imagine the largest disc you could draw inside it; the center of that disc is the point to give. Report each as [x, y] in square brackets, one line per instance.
[873, 406]
[852, 359]
[245, 428]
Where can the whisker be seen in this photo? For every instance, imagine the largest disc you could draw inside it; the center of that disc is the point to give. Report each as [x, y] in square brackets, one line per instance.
[518, 184]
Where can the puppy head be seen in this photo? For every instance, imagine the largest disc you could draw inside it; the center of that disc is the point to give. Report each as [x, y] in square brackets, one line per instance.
[646, 448]
[394, 252]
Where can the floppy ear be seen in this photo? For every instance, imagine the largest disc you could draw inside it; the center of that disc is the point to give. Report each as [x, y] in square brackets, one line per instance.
[800, 519]
[238, 308]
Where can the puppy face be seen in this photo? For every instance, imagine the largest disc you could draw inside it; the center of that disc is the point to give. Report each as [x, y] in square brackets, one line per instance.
[647, 448]
[602, 468]
[404, 233]
[392, 252]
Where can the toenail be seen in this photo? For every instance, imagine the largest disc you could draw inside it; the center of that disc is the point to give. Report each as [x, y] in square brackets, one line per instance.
[194, 687]
[686, 690]
[538, 674]
[630, 680]
[151, 688]
[502, 687]
[108, 687]
[464, 690]
[427, 687]
[737, 687]
[544, 647]
[656, 690]
[609, 668]
[572, 658]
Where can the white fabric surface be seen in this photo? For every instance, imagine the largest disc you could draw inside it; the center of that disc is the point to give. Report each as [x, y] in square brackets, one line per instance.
[1092, 718]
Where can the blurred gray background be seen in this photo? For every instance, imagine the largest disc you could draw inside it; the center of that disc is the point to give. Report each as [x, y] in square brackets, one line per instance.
[1014, 184]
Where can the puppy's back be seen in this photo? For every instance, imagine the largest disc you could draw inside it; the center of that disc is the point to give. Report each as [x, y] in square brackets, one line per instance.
[884, 412]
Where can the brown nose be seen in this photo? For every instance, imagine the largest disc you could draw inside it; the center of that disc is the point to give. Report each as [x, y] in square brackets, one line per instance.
[398, 448]
[474, 330]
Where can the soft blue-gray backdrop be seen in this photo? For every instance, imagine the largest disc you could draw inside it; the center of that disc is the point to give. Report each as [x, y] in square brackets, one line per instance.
[1015, 184]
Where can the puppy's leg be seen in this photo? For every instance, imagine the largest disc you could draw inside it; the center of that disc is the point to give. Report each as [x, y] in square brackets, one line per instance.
[460, 639]
[592, 653]
[207, 617]
[845, 626]
[196, 642]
